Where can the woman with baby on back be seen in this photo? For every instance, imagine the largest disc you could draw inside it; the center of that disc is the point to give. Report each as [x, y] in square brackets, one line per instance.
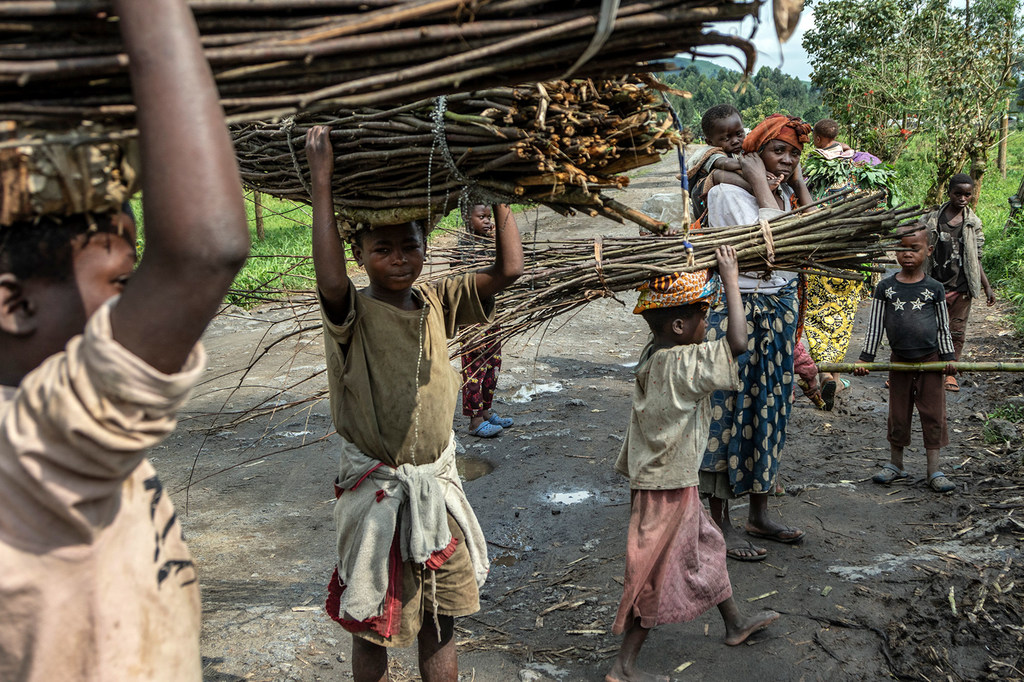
[748, 430]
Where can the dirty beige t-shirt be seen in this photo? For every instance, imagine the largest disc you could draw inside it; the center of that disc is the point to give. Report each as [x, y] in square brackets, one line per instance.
[377, 400]
[671, 413]
[96, 583]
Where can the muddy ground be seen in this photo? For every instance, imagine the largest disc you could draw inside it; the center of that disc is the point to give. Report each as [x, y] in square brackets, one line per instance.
[869, 594]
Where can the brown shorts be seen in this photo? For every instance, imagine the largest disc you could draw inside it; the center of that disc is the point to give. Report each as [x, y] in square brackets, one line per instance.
[926, 391]
[456, 594]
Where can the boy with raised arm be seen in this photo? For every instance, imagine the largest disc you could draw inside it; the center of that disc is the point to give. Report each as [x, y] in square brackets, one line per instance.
[675, 553]
[97, 583]
[411, 555]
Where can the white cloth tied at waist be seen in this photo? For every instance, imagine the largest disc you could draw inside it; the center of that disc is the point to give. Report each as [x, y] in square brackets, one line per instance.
[418, 499]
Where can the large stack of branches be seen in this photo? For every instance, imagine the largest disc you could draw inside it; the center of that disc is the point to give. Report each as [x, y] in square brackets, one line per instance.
[62, 62]
[560, 143]
[845, 239]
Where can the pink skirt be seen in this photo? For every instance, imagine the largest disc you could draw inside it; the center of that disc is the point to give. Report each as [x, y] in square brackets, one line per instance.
[675, 560]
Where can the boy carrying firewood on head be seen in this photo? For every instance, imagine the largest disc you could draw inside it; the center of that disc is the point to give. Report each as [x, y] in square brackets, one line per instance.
[97, 583]
[411, 555]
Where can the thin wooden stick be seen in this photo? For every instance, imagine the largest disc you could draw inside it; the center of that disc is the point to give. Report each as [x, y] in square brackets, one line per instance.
[849, 367]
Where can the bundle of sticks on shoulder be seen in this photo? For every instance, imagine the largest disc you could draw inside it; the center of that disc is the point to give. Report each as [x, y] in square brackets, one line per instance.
[846, 236]
[62, 62]
[562, 144]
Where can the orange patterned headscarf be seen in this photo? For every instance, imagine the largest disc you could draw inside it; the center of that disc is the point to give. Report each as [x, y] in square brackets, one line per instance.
[789, 129]
[681, 288]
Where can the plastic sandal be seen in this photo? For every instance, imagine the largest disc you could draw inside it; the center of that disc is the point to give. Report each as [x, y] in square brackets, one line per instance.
[486, 430]
[889, 473]
[939, 483]
[503, 422]
[952, 385]
[828, 394]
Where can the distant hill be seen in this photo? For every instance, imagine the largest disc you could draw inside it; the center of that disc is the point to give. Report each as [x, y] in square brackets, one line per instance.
[703, 66]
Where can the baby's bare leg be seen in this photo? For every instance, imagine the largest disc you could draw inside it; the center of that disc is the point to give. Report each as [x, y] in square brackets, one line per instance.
[739, 627]
[624, 668]
[369, 661]
[438, 660]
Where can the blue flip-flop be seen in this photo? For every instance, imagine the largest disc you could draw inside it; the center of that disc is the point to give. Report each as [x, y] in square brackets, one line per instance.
[486, 430]
[503, 422]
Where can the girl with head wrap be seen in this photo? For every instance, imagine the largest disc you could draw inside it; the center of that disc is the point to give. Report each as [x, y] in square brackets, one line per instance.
[748, 429]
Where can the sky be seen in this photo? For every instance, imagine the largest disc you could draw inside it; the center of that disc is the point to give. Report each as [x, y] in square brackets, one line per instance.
[790, 57]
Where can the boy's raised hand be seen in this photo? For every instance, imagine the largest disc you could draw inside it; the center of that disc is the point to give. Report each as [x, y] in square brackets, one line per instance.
[320, 153]
[728, 265]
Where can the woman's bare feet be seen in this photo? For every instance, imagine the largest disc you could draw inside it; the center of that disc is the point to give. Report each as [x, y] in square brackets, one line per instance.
[617, 674]
[738, 632]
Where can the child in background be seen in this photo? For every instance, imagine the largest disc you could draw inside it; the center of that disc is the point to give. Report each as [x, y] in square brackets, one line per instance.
[481, 364]
[824, 137]
[97, 581]
[411, 555]
[675, 556]
[957, 236]
[911, 307]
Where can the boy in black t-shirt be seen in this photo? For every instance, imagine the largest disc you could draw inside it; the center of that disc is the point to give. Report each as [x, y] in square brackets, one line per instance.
[911, 308]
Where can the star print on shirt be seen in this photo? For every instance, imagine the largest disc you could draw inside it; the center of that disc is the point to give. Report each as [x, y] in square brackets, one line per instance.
[918, 304]
[897, 304]
[890, 292]
[927, 294]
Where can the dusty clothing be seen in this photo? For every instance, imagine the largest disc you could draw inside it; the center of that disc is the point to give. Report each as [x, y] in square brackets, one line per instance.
[914, 318]
[947, 259]
[97, 583]
[391, 415]
[971, 243]
[959, 307]
[671, 413]
[675, 560]
[437, 525]
[924, 390]
[377, 401]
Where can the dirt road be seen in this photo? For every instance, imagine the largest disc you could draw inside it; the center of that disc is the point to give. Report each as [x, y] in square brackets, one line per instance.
[869, 595]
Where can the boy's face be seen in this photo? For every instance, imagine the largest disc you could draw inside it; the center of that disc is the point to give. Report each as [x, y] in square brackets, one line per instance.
[480, 221]
[728, 134]
[780, 158]
[688, 330]
[392, 256]
[918, 249]
[57, 310]
[820, 141]
[960, 195]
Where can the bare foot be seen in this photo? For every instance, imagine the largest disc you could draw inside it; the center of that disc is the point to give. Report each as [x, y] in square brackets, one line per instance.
[738, 633]
[617, 675]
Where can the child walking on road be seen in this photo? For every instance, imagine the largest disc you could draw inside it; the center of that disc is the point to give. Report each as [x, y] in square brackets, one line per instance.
[957, 237]
[911, 308]
[411, 555]
[675, 555]
[481, 363]
[97, 357]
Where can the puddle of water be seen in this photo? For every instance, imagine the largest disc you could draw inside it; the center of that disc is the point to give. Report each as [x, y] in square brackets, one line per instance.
[471, 468]
[570, 498]
[505, 560]
[526, 393]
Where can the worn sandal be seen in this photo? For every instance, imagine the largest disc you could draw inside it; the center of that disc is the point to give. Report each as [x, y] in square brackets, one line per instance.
[889, 473]
[503, 422]
[939, 483]
[952, 385]
[486, 430]
[828, 394]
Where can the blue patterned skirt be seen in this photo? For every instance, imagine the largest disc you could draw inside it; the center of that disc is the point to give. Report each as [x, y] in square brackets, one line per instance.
[748, 427]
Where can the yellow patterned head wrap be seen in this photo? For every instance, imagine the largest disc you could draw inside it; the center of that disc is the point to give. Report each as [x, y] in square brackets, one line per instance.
[681, 288]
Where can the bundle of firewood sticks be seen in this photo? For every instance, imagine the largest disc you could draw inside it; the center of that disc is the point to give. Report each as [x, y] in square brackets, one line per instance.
[559, 143]
[62, 62]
